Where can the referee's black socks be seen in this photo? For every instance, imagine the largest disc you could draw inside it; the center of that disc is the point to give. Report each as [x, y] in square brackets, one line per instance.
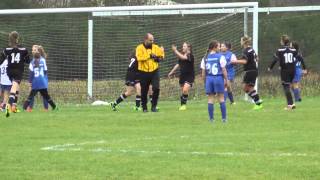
[155, 97]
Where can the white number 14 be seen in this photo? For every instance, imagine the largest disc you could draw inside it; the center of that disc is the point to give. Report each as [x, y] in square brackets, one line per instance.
[15, 57]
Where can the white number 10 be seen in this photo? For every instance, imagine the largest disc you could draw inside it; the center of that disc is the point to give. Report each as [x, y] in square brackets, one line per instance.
[288, 57]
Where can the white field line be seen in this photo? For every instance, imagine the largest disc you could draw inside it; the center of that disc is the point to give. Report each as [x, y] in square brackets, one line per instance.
[71, 147]
[67, 145]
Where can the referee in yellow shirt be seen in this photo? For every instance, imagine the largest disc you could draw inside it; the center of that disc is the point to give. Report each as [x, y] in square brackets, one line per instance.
[149, 55]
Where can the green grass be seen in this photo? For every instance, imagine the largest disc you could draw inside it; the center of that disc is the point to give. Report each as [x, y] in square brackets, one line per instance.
[84, 142]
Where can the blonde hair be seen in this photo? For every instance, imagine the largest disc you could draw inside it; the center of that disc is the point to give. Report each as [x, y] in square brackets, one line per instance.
[41, 50]
[189, 47]
[285, 39]
[14, 38]
[246, 40]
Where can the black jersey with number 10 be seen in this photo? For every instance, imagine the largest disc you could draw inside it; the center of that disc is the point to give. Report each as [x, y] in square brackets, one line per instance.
[287, 58]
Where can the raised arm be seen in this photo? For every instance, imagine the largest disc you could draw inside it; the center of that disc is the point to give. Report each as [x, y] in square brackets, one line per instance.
[178, 54]
[158, 54]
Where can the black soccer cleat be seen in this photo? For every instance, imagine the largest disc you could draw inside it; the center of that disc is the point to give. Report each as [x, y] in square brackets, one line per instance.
[154, 109]
[8, 109]
[113, 106]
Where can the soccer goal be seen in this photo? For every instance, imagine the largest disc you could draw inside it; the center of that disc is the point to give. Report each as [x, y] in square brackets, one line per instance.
[88, 48]
[115, 33]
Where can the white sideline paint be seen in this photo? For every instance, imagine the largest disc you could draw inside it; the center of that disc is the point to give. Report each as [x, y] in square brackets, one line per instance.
[71, 147]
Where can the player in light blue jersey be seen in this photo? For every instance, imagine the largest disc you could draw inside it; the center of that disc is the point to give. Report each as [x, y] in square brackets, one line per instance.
[39, 80]
[40, 49]
[300, 71]
[5, 84]
[214, 74]
[230, 57]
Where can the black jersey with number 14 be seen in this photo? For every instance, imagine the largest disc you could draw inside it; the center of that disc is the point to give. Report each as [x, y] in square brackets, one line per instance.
[16, 57]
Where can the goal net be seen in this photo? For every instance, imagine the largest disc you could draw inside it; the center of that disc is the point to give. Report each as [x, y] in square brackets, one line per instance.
[116, 34]
[64, 38]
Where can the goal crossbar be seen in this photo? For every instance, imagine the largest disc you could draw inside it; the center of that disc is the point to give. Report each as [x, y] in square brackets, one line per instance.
[128, 8]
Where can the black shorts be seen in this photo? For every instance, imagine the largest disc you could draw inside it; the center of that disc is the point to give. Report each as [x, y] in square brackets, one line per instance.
[132, 78]
[287, 76]
[15, 75]
[250, 77]
[150, 78]
[186, 78]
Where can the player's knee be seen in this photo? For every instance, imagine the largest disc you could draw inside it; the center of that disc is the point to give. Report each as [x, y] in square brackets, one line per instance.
[246, 89]
[128, 93]
[185, 90]
[138, 91]
[211, 98]
[221, 98]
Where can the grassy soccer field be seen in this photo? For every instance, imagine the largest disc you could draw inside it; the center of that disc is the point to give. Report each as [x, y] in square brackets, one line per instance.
[84, 142]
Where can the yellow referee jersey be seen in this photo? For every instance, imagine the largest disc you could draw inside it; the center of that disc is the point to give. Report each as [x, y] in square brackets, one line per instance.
[145, 62]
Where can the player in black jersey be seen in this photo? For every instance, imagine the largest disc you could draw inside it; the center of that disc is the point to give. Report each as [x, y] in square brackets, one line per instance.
[17, 56]
[286, 56]
[249, 60]
[132, 82]
[186, 64]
